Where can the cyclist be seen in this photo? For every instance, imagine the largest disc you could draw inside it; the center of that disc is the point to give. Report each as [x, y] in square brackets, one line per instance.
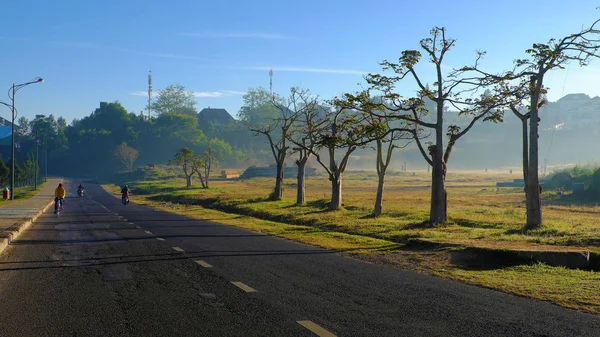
[125, 194]
[59, 195]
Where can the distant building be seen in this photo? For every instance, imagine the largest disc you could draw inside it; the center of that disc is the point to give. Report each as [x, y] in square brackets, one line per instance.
[214, 116]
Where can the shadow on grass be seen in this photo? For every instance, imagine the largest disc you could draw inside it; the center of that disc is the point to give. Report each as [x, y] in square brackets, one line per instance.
[470, 258]
[481, 259]
[476, 224]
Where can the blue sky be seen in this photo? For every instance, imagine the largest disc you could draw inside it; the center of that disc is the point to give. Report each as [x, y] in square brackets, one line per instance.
[92, 51]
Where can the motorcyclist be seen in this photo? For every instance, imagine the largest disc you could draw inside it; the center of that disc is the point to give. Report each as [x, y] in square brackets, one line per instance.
[125, 193]
[59, 195]
[80, 189]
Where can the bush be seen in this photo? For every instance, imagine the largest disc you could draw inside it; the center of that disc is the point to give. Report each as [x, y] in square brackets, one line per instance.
[595, 183]
[560, 180]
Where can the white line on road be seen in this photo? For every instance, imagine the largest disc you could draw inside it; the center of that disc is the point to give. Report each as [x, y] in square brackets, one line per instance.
[160, 239]
[148, 232]
[177, 249]
[138, 227]
[314, 328]
[244, 287]
[203, 264]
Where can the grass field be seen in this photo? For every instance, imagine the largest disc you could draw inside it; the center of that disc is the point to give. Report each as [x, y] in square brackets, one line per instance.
[479, 214]
[23, 193]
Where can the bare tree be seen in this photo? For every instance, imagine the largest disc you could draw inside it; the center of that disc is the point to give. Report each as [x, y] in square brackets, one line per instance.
[340, 129]
[305, 108]
[526, 84]
[388, 135]
[278, 131]
[127, 155]
[386, 140]
[454, 93]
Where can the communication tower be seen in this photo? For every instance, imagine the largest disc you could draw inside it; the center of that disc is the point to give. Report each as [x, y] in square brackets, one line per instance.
[149, 91]
[271, 81]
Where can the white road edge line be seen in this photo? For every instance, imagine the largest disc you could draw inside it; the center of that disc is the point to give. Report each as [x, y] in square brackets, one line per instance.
[177, 249]
[160, 239]
[244, 287]
[316, 329]
[148, 232]
[203, 264]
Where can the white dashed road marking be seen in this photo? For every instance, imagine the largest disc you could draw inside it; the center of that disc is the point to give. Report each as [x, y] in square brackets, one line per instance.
[177, 249]
[244, 287]
[203, 264]
[314, 328]
[160, 239]
[148, 232]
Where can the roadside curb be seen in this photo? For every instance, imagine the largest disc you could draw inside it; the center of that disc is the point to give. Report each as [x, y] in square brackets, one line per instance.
[10, 234]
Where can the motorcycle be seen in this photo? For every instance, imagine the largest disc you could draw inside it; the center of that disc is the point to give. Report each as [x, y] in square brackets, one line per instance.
[80, 192]
[125, 200]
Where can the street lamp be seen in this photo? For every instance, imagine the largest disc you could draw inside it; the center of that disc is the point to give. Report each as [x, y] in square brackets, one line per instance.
[11, 94]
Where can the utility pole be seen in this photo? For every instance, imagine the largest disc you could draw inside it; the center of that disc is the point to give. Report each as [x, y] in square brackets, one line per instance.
[37, 165]
[271, 81]
[45, 160]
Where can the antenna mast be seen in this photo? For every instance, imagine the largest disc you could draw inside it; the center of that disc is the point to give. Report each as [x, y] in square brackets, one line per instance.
[149, 91]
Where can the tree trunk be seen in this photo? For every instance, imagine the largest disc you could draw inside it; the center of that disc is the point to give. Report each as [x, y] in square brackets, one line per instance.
[438, 213]
[278, 191]
[525, 154]
[534, 202]
[300, 195]
[201, 178]
[336, 192]
[381, 167]
[379, 199]
[188, 181]
[207, 168]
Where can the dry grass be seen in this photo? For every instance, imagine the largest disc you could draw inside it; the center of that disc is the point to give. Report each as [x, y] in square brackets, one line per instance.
[477, 209]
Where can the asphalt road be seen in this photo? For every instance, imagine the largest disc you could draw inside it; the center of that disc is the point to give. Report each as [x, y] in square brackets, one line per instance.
[104, 269]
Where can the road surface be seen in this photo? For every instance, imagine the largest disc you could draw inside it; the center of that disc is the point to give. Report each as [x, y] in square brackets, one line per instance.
[103, 269]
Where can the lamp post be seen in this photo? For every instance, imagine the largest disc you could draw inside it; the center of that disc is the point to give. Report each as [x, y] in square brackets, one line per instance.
[37, 166]
[11, 94]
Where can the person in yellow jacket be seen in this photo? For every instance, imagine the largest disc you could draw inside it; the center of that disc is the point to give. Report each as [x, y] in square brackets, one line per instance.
[59, 195]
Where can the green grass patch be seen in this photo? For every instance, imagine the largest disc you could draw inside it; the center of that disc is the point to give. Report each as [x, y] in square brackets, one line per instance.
[23, 193]
[576, 289]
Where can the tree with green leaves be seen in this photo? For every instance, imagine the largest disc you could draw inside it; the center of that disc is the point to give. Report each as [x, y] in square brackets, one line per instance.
[24, 127]
[25, 173]
[214, 151]
[258, 109]
[184, 157]
[175, 99]
[454, 93]
[4, 172]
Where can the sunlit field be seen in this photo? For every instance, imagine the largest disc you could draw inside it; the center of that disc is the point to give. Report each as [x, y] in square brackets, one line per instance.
[478, 211]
